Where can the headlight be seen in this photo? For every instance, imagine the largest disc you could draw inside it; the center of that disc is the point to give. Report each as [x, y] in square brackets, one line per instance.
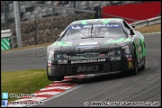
[118, 52]
[115, 55]
[112, 53]
[51, 55]
[65, 56]
[127, 50]
[59, 56]
[115, 52]
[62, 56]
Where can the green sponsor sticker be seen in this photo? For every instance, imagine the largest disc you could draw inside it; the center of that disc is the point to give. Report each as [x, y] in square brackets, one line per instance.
[61, 43]
[114, 41]
[106, 21]
[84, 22]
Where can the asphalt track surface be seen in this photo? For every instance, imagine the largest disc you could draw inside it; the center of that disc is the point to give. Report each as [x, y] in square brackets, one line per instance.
[145, 86]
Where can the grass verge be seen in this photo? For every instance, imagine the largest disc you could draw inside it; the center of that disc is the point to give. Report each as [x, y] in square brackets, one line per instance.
[25, 81]
[149, 29]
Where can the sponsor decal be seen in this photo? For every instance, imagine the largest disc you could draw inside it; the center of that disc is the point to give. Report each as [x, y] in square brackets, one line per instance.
[87, 61]
[84, 22]
[139, 52]
[143, 47]
[137, 41]
[88, 43]
[128, 56]
[88, 68]
[62, 61]
[112, 58]
[129, 59]
[102, 25]
[115, 58]
[104, 21]
[118, 58]
[79, 26]
[139, 49]
[130, 65]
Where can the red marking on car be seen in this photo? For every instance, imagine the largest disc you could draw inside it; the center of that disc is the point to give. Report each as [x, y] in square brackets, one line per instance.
[102, 55]
[129, 59]
[49, 64]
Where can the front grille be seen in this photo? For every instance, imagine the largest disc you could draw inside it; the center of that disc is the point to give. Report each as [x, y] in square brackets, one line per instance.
[87, 55]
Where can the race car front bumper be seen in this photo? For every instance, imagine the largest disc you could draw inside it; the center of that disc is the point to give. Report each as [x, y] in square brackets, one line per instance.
[88, 68]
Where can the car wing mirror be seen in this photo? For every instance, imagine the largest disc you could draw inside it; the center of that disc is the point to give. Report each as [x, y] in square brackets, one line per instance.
[131, 32]
[133, 26]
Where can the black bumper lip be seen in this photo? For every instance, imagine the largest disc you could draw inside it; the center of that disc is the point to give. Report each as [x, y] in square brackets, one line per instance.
[69, 69]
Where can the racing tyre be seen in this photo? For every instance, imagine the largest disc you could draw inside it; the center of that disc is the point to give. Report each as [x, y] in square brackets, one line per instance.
[135, 64]
[55, 78]
[143, 66]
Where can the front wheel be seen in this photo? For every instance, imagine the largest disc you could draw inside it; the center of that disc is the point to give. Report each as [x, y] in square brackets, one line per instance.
[143, 66]
[135, 68]
[54, 78]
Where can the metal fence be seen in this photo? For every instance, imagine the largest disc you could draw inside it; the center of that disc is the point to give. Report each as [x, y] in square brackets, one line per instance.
[151, 21]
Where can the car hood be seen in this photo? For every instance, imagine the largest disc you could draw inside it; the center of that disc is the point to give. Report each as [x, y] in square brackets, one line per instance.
[91, 44]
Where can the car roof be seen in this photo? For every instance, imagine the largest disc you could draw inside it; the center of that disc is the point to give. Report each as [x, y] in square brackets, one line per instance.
[98, 21]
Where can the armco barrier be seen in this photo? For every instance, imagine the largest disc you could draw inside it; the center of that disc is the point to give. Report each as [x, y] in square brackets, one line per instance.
[6, 39]
[151, 21]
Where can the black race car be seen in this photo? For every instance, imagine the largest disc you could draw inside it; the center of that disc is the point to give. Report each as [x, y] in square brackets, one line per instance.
[96, 46]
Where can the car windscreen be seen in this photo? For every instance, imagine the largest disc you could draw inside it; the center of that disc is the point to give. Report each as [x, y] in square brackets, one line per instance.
[80, 31]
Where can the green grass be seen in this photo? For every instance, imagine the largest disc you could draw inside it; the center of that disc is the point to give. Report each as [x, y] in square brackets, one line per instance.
[26, 81]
